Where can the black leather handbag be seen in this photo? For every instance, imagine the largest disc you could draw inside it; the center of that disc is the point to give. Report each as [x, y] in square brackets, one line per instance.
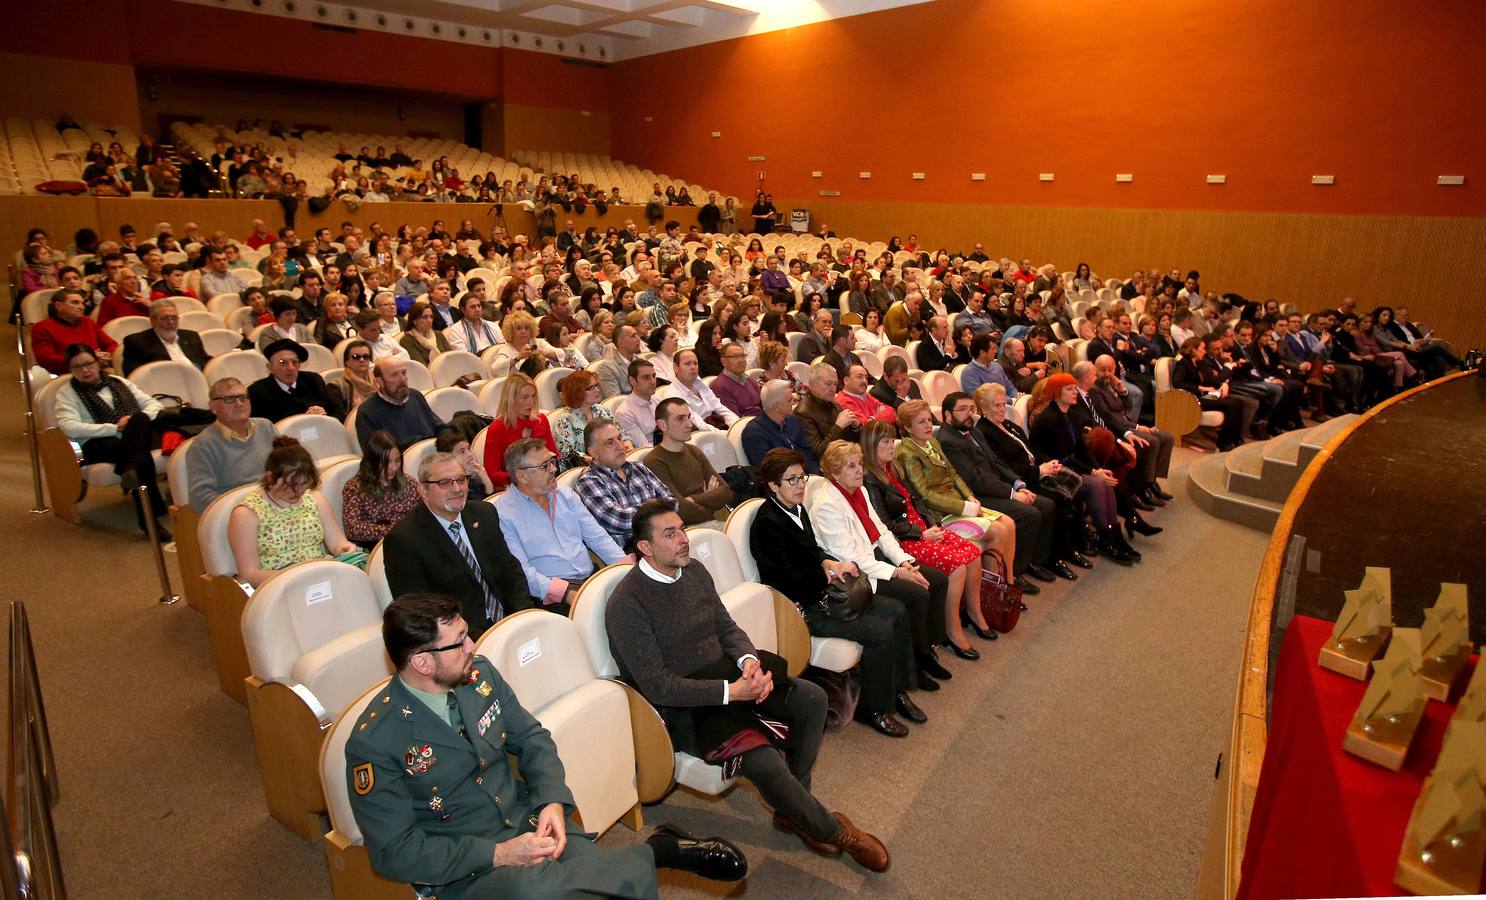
[846, 599]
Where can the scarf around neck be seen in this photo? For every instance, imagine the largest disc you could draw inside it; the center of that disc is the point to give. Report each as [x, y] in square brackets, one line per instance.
[103, 412]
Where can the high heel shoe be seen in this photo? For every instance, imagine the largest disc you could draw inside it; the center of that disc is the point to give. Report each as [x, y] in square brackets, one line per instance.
[969, 653]
[985, 634]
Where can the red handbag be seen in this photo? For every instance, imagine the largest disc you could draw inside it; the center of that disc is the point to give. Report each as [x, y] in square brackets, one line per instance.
[1000, 598]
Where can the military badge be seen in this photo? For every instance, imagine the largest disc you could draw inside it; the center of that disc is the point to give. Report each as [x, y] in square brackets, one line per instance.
[484, 689]
[363, 778]
[436, 806]
[419, 759]
[474, 676]
[489, 716]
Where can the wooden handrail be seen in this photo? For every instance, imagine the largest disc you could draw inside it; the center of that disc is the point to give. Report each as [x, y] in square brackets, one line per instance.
[1250, 709]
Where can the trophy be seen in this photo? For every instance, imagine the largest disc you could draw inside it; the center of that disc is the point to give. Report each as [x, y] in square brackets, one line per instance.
[1445, 641]
[1444, 845]
[1362, 628]
[1389, 714]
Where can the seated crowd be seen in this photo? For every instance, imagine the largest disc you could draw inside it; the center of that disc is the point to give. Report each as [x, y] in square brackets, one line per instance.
[867, 486]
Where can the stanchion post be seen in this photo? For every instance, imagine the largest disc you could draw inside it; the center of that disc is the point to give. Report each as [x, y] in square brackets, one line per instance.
[39, 507]
[167, 597]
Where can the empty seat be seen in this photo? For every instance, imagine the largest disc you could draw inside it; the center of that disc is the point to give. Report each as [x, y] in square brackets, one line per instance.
[450, 366]
[246, 366]
[542, 658]
[314, 641]
[323, 436]
[218, 341]
[173, 379]
[225, 596]
[716, 446]
[446, 401]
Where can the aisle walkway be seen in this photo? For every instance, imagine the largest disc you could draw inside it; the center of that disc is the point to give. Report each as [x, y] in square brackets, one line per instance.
[1075, 760]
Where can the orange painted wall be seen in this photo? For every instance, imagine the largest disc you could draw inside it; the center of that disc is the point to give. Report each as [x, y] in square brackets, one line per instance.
[1383, 95]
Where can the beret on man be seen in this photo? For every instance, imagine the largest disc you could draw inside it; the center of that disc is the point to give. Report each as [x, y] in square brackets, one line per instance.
[285, 344]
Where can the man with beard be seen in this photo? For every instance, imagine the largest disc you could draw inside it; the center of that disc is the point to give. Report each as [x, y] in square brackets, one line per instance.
[448, 720]
[396, 408]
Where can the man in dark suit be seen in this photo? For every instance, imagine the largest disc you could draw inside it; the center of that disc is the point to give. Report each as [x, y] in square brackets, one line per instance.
[895, 387]
[999, 488]
[1109, 343]
[286, 391]
[817, 342]
[165, 340]
[1103, 393]
[936, 352]
[449, 547]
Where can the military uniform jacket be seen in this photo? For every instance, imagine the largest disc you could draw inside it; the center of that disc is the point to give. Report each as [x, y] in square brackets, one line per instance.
[432, 802]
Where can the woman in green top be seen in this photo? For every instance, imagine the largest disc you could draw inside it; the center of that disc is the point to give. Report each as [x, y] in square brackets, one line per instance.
[286, 519]
[928, 472]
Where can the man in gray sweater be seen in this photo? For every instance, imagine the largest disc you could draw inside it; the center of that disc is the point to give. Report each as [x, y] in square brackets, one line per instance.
[721, 698]
[232, 451]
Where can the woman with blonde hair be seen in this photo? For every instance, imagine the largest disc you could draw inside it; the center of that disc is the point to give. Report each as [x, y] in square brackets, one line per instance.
[522, 344]
[847, 529]
[919, 532]
[516, 417]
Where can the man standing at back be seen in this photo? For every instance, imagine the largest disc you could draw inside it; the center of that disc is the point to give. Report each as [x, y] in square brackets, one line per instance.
[722, 698]
[448, 720]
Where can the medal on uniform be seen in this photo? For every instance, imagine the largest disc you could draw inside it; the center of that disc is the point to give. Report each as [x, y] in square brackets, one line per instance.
[406, 712]
[419, 759]
[436, 805]
[484, 689]
[474, 676]
[488, 717]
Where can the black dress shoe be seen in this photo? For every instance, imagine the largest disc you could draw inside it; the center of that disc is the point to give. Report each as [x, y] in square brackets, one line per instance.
[710, 857]
[1137, 525]
[930, 663]
[1061, 570]
[1074, 558]
[985, 634]
[1027, 587]
[926, 682]
[1139, 503]
[1156, 489]
[969, 653]
[882, 723]
[1149, 495]
[1040, 573]
[909, 710]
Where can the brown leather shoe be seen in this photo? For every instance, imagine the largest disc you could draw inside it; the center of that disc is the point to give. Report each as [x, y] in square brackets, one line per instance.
[867, 850]
[784, 823]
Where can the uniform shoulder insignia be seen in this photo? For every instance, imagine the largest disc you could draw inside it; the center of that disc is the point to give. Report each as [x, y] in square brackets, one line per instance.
[369, 717]
[363, 778]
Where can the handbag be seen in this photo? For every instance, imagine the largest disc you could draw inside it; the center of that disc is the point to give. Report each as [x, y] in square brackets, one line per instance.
[845, 600]
[1064, 483]
[1000, 598]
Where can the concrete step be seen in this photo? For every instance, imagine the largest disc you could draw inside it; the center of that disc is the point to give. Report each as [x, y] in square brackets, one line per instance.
[1207, 484]
[1250, 473]
[1318, 437]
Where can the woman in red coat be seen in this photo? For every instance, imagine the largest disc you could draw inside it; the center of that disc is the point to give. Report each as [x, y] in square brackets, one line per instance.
[516, 417]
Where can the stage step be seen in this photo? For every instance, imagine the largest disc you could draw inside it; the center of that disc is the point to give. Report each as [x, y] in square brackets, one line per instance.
[1207, 484]
[1250, 483]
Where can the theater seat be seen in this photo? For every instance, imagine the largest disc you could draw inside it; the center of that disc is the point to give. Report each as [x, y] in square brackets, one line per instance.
[716, 447]
[833, 654]
[611, 767]
[225, 596]
[323, 436]
[313, 637]
[376, 572]
[184, 522]
[1177, 412]
[351, 875]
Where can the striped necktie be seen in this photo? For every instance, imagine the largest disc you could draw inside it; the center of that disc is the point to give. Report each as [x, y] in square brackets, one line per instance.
[1094, 413]
[493, 610]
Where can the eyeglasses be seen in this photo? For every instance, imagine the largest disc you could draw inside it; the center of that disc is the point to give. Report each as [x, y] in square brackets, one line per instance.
[550, 464]
[447, 483]
[794, 480]
[77, 367]
[457, 645]
[231, 399]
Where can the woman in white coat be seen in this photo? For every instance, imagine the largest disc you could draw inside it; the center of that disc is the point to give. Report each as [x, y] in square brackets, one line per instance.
[847, 528]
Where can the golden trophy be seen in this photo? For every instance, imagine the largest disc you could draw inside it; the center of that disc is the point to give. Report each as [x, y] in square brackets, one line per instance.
[1445, 639]
[1362, 628]
[1389, 714]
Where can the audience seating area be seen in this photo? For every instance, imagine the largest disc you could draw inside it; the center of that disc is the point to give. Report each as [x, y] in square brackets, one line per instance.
[32, 153]
[635, 183]
[304, 652]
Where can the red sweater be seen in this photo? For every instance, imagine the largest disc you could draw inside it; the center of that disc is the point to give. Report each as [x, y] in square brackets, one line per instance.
[51, 336]
[499, 436]
[116, 306]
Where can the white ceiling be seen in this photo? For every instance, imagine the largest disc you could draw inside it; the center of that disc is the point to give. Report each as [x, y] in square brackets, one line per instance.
[601, 30]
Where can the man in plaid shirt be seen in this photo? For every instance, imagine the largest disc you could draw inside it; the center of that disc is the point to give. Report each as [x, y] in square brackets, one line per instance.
[612, 488]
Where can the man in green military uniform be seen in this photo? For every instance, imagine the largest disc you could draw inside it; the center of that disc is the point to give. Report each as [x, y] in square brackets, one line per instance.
[439, 804]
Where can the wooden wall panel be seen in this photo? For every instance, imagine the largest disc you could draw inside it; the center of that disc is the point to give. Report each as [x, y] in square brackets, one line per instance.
[60, 216]
[42, 87]
[544, 128]
[1310, 260]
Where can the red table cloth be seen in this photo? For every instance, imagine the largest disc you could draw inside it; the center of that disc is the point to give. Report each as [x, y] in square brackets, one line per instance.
[1325, 823]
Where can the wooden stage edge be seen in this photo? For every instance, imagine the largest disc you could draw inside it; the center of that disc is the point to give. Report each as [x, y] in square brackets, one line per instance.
[1245, 754]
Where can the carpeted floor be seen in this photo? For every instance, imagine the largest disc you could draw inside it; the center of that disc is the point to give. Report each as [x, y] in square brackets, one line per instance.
[1075, 760]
